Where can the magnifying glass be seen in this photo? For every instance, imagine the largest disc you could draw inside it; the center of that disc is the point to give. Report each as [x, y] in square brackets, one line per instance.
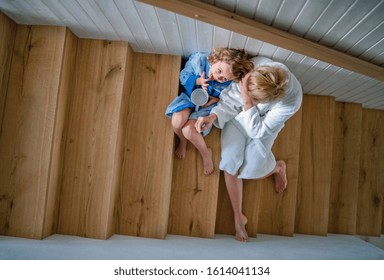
[199, 97]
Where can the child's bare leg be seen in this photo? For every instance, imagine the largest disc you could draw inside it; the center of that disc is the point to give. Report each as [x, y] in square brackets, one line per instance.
[198, 141]
[179, 119]
[235, 192]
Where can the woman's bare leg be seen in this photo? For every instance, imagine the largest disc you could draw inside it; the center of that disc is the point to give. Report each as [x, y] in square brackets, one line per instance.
[179, 119]
[190, 133]
[235, 192]
[280, 176]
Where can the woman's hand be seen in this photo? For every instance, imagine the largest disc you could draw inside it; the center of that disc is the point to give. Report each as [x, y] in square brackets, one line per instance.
[202, 81]
[204, 123]
[247, 100]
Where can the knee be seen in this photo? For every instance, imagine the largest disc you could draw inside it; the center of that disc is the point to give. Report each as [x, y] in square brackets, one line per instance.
[178, 121]
[188, 131]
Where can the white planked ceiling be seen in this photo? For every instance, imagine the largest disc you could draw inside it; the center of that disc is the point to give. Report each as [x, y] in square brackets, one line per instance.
[355, 27]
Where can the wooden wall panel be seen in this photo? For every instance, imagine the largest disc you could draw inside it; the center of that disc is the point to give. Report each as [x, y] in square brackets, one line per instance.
[371, 181]
[90, 167]
[7, 41]
[144, 194]
[345, 168]
[28, 125]
[194, 195]
[315, 165]
[277, 211]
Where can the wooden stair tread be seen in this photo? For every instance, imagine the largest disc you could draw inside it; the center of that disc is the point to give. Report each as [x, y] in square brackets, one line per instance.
[315, 165]
[89, 167]
[145, 190]
[277, 211]
[27, 130]
[194, 195]
[371, 184]
[345, 168]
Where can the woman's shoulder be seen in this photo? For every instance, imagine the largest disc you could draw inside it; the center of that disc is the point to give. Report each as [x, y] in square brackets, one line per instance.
[260, 60]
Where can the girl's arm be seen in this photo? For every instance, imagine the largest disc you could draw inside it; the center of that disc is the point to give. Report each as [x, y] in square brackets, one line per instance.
[212, 100]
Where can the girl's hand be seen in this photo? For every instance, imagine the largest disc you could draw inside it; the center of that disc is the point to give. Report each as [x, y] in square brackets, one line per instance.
[211, 101]
[202, 81]
[204, 123]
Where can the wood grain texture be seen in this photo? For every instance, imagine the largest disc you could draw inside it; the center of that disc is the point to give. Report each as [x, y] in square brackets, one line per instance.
[59, 136]
[277, 211]
[371, 180]
[90, 163]
[194, 195]
[345, 168]
[7, 41]
[27, 135]
[315, 165]
[145, 191]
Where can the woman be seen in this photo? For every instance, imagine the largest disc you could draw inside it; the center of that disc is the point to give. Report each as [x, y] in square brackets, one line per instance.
[251, 114]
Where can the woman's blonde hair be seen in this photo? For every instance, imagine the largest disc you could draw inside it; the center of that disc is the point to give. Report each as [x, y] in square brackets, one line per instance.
[267, 84]
[238, 60]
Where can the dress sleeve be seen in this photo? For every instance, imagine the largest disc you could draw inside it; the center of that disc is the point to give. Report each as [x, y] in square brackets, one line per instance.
[257, 125]
[229, 105]
[193, 69]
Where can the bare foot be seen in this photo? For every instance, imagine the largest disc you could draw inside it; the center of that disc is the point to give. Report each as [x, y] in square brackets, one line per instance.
[280, 177]
[208, 163]
[181, 149]
[241, 232]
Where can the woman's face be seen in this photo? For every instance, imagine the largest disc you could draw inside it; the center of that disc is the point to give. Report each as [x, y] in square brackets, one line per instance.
[221, 72]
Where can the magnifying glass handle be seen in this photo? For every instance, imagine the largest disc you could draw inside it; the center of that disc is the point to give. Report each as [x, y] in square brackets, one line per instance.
[197, 108]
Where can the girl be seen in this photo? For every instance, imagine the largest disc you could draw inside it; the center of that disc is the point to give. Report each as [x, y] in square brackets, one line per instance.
[213, 73]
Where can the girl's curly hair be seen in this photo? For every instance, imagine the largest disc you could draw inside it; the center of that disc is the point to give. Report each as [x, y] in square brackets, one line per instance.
[239, 61]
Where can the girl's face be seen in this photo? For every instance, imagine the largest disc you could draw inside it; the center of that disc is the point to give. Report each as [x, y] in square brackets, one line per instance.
[221, 72]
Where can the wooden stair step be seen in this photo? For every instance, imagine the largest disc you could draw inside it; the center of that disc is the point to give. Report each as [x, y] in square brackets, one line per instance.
[315, 165]
[91, 162]
[194, 195]
[277, 211]
[345, 168]
[371, 182]
[30, 133]
[145, 190]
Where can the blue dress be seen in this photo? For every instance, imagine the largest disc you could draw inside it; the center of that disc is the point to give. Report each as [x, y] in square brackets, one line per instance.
[195, 66]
